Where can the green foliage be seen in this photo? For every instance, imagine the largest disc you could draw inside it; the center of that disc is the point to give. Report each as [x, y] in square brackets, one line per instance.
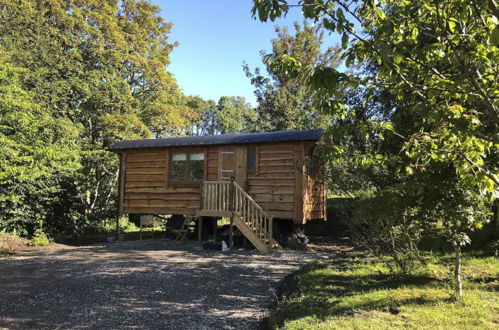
[440, 59]
[284, 101]
[232, 114]
[88, 73]
[432, 139]
[353, 291]
[37, 150]
[39, 237]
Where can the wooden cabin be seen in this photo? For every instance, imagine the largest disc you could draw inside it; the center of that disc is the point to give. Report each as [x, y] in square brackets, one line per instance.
[252, 178]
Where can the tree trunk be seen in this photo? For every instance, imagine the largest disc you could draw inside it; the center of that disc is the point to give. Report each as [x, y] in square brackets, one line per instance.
[457, 272]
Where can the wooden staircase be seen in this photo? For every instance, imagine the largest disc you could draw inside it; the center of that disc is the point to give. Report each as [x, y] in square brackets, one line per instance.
[228, 198]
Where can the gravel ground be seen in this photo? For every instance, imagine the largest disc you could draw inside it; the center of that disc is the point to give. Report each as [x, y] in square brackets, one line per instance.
[148, 284]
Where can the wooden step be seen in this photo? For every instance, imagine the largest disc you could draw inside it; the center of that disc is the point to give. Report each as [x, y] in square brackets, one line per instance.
[259, 244]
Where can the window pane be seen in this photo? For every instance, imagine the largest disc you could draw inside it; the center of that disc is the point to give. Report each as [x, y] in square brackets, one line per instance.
[179, 157]
[196, 166]
[251, 163]
[177, 171]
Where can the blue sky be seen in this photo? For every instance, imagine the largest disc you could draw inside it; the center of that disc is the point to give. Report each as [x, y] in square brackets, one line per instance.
[215, 37]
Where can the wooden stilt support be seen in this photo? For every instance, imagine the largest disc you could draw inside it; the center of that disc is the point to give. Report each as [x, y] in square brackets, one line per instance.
[117, 226]
[231, 233]
[200, 229]
[215, 227]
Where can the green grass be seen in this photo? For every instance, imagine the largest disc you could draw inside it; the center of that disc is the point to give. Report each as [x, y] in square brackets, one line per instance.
[353, 291]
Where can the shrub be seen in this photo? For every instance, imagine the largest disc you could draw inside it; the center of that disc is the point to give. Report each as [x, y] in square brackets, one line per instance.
[39, 238]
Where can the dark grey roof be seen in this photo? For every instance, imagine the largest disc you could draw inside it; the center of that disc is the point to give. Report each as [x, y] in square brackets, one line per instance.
[225, 139]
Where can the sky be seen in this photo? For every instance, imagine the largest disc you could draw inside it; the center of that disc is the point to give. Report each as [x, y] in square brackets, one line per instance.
[215, 37]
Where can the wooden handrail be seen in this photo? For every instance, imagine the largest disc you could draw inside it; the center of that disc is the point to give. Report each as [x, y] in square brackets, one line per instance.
[240, 189]
[228, 195]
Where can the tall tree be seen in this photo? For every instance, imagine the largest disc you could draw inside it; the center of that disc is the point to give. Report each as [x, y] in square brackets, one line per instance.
[36, 151]
[284, 102]
[232, 114]
[102, 66]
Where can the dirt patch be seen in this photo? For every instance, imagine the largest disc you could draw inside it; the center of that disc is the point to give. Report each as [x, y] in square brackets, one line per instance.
[330, 245]
[10, 245]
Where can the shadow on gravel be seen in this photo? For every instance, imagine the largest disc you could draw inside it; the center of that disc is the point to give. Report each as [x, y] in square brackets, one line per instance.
[155, 284]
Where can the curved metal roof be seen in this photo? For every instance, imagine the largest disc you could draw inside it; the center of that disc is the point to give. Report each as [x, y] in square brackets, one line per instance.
[224, 139]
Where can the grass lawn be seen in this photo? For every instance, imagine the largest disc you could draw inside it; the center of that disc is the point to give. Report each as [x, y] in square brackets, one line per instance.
[354, 291]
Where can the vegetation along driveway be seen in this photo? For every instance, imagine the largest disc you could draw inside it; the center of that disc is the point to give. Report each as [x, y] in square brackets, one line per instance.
[148, 284]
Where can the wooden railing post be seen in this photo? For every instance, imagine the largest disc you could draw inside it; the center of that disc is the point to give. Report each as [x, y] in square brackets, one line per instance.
[231, 195]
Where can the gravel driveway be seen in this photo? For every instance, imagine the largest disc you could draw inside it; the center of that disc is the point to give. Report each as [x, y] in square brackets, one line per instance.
[148, 284]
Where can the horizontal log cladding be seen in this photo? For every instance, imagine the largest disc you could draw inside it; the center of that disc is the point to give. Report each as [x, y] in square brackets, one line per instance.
[146, 188]
[272, 185]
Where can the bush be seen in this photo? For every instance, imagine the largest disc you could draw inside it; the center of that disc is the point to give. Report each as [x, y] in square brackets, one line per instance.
[39, 238]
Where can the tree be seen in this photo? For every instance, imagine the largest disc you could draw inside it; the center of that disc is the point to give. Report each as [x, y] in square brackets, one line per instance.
[234, 115]
[231, 115]
[36, 151]
[284, 102]
[439, 59]
[101, 66]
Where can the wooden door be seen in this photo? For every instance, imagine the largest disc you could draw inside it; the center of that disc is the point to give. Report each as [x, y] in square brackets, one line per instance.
[228, 163]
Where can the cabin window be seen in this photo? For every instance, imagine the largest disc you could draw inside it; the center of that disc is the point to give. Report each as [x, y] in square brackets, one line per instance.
[196, 166]
[251, 163]
[187, 166]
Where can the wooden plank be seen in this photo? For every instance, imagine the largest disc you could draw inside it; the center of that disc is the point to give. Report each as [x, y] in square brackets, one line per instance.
[280, 162]
[282, 214]
[148, 152]
[300, 187]
[149, 158]
[271, 182]
[277, 206]
[275, 156]
[147, 170]
[121, 188]
[281, 175]
[146, 164]
[159, 210]
[271, 190]
[161, 190]
[266, 168]
[211, 213]
[260, 198]
[146, 177]
[275, 148]
[142, 184]
[200, 229]
[241, 164]
[161, 203]
[166, 197]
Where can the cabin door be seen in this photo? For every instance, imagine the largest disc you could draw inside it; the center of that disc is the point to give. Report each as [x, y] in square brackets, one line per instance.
[228, 163]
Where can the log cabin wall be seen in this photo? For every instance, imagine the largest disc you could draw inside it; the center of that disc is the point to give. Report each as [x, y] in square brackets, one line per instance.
[146, 189]
[278, 183]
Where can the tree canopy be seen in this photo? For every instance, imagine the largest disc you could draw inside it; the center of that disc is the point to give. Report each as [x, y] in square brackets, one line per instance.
[284, 101]
[98, 70]
[433, 148]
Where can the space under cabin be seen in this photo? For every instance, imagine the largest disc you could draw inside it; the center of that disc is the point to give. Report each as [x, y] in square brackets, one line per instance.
[255, 179]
